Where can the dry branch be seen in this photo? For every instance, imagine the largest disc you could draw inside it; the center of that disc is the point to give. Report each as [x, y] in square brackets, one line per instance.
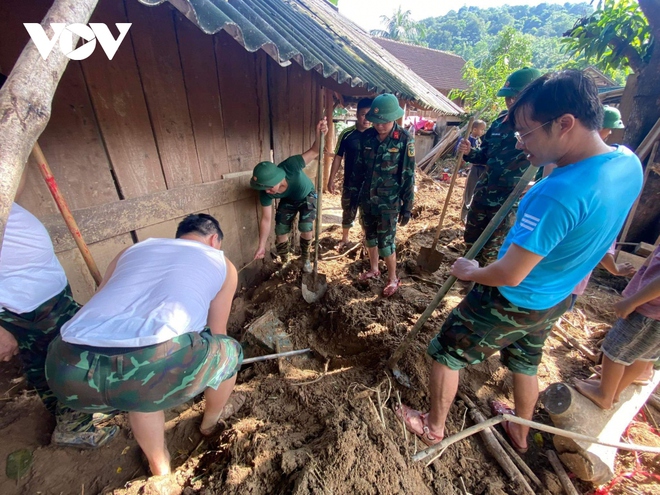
[561, 472]
[26, 98]
[559, 332]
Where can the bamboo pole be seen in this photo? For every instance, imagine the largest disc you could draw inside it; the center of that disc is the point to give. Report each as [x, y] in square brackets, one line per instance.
[26, 97]
[425, 454]
[62, 205]
[459, 162]
[561, 472]
[474, 250]
[329, 140]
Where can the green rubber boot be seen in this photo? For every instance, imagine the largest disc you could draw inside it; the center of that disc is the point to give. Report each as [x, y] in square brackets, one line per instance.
[305, 245]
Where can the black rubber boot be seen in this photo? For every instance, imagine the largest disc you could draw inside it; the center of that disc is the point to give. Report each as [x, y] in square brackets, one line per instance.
[304, 254]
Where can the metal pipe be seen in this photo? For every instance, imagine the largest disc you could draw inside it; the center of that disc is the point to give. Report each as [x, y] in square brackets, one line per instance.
[276, 356]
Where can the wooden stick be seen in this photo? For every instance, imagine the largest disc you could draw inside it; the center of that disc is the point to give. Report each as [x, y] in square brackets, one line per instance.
[561, 472]
[654, 402]
[459, 162]
[633, 210]
[357, 245]
[505, 445]
[495, 449]
[561, 333]
[66, 212]
[532, 424]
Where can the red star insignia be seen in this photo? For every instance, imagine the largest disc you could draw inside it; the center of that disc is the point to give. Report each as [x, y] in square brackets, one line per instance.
[395, 134]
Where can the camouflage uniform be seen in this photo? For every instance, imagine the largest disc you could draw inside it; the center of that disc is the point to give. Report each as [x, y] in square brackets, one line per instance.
[348, 146]
[385, 172]
[505, 166]
[143, 379]
[485, 322]
[34, 331]
[287, 211]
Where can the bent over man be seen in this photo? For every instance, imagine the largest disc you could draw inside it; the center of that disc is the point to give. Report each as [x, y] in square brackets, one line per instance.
[386, 178]
[154, 336]
[288, 183]
[564, 227]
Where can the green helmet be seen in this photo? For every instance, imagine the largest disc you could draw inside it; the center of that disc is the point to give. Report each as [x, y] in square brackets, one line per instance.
[266, 175]
[517, 80]
[612, 118]
[385, 108]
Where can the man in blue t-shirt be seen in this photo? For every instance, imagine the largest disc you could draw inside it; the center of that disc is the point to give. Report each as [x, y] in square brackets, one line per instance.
[564, 226]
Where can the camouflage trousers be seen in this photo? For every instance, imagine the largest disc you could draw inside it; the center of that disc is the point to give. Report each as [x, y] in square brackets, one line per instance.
[379, 228]
[486, 322]
[287, 211]
[349, 206]
[142, 379]
[34, 331]
[478, 218]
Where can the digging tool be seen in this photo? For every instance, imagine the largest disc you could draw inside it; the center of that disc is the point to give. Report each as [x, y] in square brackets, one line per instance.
[429, 259]
[62, 205]
[313, 284]
[400, 376]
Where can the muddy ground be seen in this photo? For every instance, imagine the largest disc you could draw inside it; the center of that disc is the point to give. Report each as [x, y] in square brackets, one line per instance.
[324, 424]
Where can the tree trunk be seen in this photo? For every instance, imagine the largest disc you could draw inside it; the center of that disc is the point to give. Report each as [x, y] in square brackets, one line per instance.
[26, 97]
[646, 103]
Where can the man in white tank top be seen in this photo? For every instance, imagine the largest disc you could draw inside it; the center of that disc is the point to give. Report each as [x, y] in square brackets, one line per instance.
[35, 301]
[154, 336]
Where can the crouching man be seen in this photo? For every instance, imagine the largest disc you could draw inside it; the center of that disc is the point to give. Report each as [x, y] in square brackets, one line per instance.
[154, 336]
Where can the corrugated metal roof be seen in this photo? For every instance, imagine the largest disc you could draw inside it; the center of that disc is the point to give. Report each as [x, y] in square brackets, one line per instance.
[314, 35]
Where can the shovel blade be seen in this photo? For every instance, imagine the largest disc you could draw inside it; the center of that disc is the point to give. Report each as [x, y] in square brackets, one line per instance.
[429, 259]
[312, 293]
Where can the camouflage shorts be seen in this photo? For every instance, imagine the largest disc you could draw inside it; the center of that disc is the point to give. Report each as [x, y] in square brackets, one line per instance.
[380, 229]
[287, 211]
[486, 322]
[34, 331]
[144, 379]
[349, 206]
[478, 218]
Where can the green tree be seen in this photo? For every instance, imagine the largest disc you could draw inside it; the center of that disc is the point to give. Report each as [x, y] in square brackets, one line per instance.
[511, 51]
[401, 27]
[618, 35]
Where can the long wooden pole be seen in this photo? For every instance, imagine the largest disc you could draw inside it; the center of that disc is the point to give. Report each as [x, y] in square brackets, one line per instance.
[459, 162]
[473, 251]
[62, 205]
[26, 97]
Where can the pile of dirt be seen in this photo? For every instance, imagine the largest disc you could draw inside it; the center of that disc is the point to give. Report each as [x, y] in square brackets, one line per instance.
[324, 423]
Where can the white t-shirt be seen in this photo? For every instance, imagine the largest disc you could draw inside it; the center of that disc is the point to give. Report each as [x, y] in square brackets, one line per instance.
[161, 288]
[30, 273]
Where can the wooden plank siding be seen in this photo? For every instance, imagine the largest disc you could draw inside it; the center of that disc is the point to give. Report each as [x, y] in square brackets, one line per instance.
[138, 142]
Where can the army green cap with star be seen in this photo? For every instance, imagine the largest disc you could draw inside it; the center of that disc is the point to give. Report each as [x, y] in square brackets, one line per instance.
[266, 175]
[517, 81]
[385, 108]
[612, 118]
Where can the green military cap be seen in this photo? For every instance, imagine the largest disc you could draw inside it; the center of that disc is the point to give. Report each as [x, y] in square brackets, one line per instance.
[612, 118]
[385, 108]
[266, 175]
[517, 80]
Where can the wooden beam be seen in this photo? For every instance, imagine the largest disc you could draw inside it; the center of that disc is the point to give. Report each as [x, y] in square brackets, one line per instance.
[26, 98]
[105, 221]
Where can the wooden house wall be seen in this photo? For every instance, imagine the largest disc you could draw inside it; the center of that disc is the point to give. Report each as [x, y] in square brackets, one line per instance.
[138, 142]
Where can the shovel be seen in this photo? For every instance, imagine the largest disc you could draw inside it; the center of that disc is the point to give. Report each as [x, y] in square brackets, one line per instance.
[313, 284]
[429, 259]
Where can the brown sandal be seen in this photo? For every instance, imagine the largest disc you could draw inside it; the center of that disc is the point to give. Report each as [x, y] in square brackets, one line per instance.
[364, 276]
[417, 423]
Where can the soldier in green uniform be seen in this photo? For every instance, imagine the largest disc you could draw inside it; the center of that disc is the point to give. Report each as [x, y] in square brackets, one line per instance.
[348, 147]
[385, 173]
[288, 183]
[505, 165]
[611, 120]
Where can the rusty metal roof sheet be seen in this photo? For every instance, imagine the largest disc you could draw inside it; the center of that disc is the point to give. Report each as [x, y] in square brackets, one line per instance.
[314, 35]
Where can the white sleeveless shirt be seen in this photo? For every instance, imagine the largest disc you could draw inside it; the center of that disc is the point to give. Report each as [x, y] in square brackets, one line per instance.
[161, 288]
[30, 273]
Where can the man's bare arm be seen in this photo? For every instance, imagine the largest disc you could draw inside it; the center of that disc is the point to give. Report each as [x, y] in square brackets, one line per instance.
[509, 270]
[221, 304]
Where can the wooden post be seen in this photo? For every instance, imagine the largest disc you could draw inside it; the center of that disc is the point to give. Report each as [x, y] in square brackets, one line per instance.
[570, 410]
[329, 137]
[26, 97]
